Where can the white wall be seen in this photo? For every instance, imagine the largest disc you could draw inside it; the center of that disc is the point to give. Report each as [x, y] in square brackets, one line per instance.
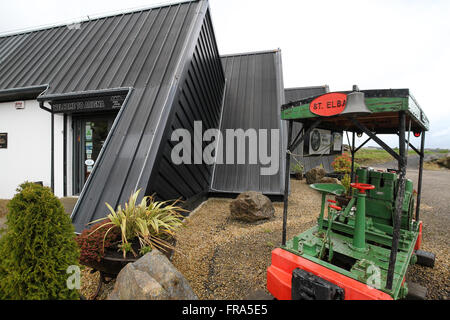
[27, 157]
[69, 156]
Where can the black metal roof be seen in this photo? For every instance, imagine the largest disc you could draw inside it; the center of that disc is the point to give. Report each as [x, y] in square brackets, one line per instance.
[146, 53]
[164, 48]
[125, 50]
[253, 96]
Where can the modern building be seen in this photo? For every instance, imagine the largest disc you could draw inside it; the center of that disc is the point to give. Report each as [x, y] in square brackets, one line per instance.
[90, 109]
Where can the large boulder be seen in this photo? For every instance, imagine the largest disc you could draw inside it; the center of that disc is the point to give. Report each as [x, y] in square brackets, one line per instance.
[133, 284]
[251, 206]
[152, 277]
[315, 175]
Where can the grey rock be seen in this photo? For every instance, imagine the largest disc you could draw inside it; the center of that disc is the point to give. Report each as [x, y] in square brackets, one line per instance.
[252, 206]
[161, 269]
[152, 277]
[315, 175]
[133, 284]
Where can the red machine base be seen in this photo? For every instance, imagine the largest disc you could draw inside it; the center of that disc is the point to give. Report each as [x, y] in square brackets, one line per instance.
[419, 237]
[279, 277]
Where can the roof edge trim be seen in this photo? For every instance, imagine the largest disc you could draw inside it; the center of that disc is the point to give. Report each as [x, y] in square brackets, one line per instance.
[30, 92]
[308, 87]
[84, 94]
[251, 53]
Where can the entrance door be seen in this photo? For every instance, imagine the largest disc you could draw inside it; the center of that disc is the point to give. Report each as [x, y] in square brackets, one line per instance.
[89, 136]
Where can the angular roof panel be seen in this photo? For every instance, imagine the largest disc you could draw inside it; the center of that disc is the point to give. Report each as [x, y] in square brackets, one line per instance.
[124, 50]
[253, 96]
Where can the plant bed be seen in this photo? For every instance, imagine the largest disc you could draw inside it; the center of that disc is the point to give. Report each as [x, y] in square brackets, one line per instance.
[298, 169]
[110, 264]
[128, 233]
[113, 260]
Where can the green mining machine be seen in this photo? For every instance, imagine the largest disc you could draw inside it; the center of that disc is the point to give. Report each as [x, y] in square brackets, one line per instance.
[363, 244]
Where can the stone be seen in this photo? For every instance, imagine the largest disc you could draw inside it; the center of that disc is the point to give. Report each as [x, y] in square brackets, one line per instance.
[152, 277]
[252, 206]
[162, 270]
[133, 284]
[315, 175]
[330, 180]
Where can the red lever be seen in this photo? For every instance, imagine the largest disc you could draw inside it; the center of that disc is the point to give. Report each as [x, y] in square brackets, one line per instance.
[335, 207]
[331, 201]
[362, 187]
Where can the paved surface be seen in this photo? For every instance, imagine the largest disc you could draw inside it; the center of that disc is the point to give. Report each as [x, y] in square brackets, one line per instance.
[413, 161]
[435, 188]
[435, 214]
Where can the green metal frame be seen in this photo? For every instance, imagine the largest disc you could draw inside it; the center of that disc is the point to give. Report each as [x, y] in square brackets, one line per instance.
[380, 235]
[376, 105]
[309, 243]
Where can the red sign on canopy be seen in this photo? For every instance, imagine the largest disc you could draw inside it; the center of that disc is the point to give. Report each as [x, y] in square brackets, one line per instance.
[329, 104]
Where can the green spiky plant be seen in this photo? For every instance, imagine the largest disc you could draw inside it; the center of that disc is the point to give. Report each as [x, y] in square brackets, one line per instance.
[150, 222]
[298, 170]
[346, 183]
[37, 248]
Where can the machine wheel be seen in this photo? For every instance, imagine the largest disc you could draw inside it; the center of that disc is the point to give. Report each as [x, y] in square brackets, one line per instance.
[416, 292]
[425, 258]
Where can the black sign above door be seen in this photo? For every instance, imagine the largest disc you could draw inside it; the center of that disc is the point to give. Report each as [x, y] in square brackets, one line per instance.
[89, 104]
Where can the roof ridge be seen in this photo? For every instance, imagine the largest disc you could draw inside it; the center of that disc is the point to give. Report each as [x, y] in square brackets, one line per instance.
[307, 87]
[252, 53]
[94, 17]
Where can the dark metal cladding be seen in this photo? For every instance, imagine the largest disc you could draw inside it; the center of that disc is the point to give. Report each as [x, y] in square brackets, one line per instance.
[108, 52]
[140, 132]
[253, 96]
[150, 52]
[309, 162]
[200, 99]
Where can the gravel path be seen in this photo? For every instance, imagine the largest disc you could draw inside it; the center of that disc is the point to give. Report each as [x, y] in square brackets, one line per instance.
[225, 259]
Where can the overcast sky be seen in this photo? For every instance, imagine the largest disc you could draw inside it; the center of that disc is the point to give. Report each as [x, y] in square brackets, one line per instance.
[374, 44]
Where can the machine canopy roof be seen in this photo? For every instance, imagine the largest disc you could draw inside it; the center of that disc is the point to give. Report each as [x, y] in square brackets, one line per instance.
[385, 105]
